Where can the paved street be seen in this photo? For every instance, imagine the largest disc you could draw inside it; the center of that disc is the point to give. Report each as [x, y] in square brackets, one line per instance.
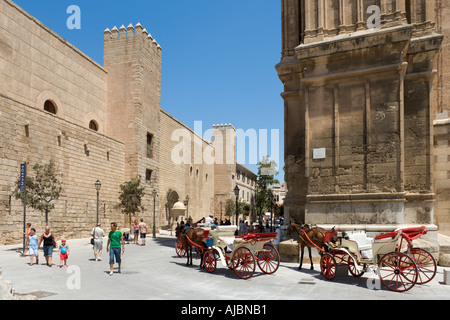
[154, 272]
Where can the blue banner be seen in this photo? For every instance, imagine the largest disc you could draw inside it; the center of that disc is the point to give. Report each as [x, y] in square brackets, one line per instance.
[23, 176]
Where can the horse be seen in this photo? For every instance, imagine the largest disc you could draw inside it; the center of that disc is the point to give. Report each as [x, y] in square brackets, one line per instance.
[316, 234]
[190, 238]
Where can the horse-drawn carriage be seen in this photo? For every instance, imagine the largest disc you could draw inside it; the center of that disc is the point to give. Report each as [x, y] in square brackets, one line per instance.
[400, 265]
[239, 253]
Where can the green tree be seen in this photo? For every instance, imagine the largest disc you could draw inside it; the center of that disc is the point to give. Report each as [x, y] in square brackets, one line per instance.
[266, 177]
[230, 208]
[42, 189]
[130, 197]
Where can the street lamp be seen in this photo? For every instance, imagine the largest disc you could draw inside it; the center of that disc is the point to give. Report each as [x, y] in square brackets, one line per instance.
[186, 204]
[98, 185]
[272, 205]
[154, 212]
[236, 193]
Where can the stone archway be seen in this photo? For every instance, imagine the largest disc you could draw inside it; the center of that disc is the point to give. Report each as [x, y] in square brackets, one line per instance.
[172, 197]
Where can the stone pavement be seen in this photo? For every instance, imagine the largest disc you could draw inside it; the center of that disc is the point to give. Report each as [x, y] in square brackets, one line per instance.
[155, 272]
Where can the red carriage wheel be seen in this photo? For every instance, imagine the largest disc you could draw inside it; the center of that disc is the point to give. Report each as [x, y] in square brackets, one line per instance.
[243, 263]
[397, 271]
[426, 264]
[209, 261]
[269, 259]
[180, 249]
[352, 268]
[328, 266]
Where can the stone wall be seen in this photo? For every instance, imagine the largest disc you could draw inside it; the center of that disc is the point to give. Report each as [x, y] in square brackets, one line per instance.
[192, 176]
[38, 65]
[80, 154]
[442, 174]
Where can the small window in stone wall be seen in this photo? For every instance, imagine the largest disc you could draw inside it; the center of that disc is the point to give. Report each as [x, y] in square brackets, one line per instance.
[93, 125]
[148, 175]
[149, 145]
[49, 106]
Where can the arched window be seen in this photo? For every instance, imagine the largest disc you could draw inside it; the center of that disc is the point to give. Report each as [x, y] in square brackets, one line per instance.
[93, 125]
[49, 106]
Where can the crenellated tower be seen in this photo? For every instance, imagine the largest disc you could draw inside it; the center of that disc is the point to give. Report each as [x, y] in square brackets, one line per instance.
[132, 58]
[224, 142]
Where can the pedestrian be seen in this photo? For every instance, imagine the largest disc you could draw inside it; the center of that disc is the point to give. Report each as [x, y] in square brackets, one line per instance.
[115, 241]
[32, 245]
[98, 234]
[64, 252]
[209, 220]
[276, 242]
[49, 243]
[28, 230]
[143, 231]
[136, 232]
[246, 227]
[241, 227]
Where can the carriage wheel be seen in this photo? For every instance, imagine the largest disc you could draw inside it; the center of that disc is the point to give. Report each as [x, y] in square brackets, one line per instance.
[180, 249]
[269, 259]
[209, 261]
[328, 266]
[352, 268]
[426, 264]
[243, 263]
[397, 271]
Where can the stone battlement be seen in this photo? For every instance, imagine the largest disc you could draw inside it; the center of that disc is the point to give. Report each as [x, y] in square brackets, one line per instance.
[129, 32]
[223, 126]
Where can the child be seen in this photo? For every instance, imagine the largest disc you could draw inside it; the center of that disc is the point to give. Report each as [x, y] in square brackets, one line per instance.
[32, 246]
[63, 253]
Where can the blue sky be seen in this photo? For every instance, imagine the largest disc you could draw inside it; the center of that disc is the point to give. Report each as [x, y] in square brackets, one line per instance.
[219, 57]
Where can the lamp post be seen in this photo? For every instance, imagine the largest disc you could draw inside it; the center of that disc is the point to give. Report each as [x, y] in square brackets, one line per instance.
[236, 193]
[220, 202]
[154, 212]
[98, 185]
[273, 213]
[186, 204]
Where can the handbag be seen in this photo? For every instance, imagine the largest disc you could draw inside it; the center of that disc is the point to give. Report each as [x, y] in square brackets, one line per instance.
[93, 237]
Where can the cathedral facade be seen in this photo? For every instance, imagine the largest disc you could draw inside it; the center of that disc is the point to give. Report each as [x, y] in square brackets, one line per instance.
[365, 102]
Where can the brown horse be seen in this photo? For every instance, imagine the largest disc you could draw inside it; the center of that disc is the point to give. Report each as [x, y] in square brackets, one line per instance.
[316, 234]
[192, 238]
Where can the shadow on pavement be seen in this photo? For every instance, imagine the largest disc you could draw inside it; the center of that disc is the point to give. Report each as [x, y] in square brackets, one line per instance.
[167, 242]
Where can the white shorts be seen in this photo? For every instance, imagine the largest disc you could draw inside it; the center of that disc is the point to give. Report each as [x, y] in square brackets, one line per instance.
[33, 251]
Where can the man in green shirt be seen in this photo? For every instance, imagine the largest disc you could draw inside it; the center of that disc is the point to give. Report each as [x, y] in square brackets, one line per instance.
[115, 241]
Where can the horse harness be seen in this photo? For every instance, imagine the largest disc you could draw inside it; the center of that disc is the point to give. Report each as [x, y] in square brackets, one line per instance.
[308, 229]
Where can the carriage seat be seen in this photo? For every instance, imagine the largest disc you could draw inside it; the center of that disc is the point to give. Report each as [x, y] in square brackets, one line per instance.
[364, 243]
[223, 236]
